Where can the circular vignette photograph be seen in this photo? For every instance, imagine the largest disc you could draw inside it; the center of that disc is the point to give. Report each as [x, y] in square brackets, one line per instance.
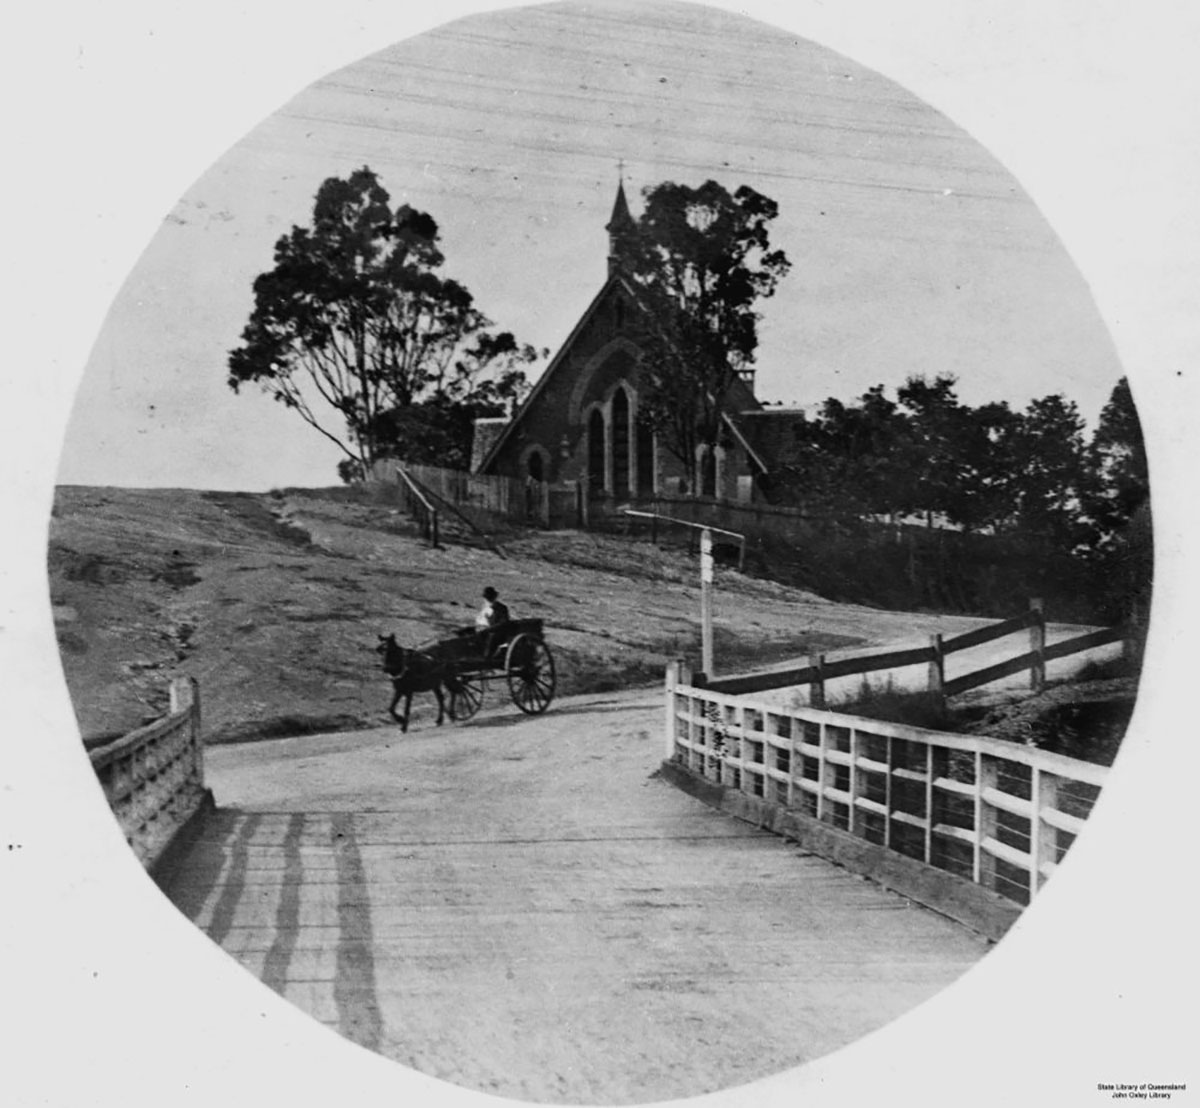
[602, 552]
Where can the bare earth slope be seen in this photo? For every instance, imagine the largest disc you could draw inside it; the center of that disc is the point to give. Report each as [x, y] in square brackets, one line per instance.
[274, 602]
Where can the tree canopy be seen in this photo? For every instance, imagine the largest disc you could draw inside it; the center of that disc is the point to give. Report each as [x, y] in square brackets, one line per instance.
[988, 468]
[1014, 502]
[702, 259]
[357, 331]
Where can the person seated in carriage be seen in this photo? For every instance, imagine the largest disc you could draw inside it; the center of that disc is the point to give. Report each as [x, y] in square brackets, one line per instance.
[494, 611]
[481, 637]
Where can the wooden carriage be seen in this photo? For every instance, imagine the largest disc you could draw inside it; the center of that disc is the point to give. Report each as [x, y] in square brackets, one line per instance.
[515, 652]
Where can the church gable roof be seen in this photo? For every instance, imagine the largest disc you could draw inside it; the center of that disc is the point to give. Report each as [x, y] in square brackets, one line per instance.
[555, 367]
[620, 227]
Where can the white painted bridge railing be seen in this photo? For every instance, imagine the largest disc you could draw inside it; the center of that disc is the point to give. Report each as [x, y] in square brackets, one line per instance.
[996, 813]
[153, 778]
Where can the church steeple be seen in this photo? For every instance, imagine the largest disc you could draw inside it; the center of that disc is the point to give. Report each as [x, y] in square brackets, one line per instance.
[621, 228]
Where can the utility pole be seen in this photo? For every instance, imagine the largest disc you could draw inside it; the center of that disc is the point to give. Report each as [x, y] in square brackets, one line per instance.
[706, 575]
[706, 622]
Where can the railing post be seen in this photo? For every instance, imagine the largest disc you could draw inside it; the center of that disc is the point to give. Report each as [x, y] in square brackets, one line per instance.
[673, 673]
[197, 740]
[987, 776]
[929, 766]
[822, 765]
[1043, 839]
[795, 765]
[887, 791]
[816, 687]
[1037, 646]
[852, 813]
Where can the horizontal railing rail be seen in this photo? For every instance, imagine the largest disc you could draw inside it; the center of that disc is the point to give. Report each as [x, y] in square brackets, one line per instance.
[997, 814]
[154, 776]
[820, 670]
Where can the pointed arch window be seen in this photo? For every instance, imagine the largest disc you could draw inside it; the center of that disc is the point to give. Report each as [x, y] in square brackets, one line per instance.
[620, 442]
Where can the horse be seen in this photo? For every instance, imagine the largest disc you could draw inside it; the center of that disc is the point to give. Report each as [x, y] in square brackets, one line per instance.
[411, 671]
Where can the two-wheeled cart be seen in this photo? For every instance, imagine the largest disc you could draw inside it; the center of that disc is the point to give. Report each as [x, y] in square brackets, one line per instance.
[514, 652]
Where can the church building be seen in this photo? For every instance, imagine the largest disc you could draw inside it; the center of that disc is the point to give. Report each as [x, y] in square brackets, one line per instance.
[580, 423]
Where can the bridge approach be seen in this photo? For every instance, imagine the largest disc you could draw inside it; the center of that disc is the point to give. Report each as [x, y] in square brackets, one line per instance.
[522, 906]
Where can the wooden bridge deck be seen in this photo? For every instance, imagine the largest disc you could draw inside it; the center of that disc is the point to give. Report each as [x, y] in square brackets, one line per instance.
[518, 906]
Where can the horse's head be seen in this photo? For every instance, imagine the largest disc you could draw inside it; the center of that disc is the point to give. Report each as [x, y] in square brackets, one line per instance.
[394, 656]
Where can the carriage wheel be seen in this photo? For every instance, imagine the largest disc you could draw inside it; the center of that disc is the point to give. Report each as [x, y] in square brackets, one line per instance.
[529, 667]
[466, 695]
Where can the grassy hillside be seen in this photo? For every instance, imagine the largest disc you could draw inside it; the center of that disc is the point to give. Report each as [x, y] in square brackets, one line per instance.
[274, 603]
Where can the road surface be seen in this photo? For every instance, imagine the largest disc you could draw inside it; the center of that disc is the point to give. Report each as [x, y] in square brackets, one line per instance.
[520, 906]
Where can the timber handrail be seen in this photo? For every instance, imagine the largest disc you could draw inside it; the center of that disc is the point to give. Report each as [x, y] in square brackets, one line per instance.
[997, 814]
[418, 505]
[153, 777]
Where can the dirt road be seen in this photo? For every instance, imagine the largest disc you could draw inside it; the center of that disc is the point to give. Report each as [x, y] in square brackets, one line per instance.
[519, 906]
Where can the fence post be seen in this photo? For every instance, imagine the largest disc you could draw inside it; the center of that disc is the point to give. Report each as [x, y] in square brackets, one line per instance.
[937, 669]
[816, 687]
[1037, 646]
[1134, 643]
[433, 528]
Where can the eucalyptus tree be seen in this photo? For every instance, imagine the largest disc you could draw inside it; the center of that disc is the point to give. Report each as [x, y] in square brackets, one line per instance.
[356, 323]
[702, 260]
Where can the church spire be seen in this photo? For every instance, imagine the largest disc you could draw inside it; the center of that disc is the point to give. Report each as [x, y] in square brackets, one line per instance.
[620, 227]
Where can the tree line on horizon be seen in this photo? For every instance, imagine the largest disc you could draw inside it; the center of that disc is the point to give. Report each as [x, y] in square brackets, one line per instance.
[989, 469]
[997, 504]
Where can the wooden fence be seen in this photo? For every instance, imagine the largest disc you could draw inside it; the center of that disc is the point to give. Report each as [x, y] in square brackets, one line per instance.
[994, 813]
[933, 656]
[153, 778]
[517, 501]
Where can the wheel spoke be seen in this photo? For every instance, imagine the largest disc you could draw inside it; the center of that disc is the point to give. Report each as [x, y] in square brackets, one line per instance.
[529, 669]
[466, 696]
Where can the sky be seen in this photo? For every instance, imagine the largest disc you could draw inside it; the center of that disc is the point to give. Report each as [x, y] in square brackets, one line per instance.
[913, 250]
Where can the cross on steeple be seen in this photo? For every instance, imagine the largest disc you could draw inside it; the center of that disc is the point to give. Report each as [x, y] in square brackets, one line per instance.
[621, 226]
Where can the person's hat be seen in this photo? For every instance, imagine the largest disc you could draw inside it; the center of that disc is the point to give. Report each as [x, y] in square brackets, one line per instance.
[489, 593]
